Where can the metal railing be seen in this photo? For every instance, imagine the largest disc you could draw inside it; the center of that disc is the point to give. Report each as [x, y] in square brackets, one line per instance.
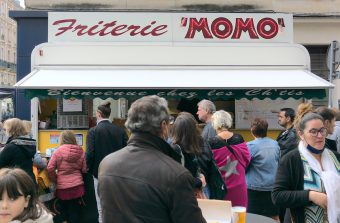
[8, 65]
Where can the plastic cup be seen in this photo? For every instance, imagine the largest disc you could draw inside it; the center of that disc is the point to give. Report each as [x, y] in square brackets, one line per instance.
[239, 214]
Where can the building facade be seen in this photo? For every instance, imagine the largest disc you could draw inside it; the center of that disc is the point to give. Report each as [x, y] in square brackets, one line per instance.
[8, 43]
[315, 26]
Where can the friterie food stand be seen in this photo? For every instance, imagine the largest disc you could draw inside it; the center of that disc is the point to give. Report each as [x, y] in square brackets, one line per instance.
[174, 55]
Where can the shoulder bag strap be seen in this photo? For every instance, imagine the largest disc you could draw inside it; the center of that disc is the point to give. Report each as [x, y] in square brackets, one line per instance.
[229, 147]
[179, 150]
[232, 151]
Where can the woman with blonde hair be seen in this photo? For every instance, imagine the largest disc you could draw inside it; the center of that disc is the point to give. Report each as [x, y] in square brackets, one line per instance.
[66, 168]
[28, 127]
[232, 157]
[19, 150]
[38, 161]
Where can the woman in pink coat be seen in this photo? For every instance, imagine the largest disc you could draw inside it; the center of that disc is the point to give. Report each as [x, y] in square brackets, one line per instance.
[232, 157]
[66, 168]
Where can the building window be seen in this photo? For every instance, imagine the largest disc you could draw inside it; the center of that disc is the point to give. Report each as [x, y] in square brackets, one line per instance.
[2, 8]
[318, 60]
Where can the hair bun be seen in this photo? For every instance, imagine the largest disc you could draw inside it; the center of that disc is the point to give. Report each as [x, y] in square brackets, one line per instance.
[304, 108]
[107, 104]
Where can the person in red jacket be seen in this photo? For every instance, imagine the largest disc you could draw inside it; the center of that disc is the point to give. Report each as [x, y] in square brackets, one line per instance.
[66, 168]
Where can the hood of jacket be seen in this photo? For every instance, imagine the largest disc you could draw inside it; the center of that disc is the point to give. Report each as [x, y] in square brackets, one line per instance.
[28, 145]
[71, 153]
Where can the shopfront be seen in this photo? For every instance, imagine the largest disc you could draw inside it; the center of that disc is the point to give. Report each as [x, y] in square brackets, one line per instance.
[246, 63]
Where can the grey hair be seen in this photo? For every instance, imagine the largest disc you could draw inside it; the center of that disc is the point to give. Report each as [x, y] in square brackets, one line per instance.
[306, 118]
[207, 105]
[221, 119]
[146, 114]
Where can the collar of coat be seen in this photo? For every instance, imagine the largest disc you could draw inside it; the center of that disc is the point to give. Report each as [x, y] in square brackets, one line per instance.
[153, 142]
[22, 140]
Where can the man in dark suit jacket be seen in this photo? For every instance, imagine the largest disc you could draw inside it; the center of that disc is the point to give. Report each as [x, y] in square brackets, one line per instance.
[102, 140]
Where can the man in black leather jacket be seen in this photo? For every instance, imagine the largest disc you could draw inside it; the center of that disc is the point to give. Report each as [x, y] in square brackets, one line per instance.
[142, 182]
[287, 139]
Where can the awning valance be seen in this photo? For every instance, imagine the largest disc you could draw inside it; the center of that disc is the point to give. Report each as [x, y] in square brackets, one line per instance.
[173, 83]
[178, 93]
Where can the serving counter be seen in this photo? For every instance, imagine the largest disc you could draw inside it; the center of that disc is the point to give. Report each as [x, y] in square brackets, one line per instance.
[50, 138]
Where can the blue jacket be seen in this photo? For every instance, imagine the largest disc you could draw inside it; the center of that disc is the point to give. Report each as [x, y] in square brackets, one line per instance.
[265, 154]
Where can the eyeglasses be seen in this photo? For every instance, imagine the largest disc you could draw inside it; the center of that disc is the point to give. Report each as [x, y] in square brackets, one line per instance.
[171, 119]
[322, 131]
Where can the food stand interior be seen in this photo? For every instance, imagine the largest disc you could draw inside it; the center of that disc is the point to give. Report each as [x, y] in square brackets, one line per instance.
[69, 80]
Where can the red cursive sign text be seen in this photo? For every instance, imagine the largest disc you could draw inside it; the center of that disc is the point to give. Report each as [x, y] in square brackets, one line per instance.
[112, 28]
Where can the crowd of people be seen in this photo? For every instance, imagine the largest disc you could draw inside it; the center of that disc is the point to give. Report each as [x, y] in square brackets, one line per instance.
[158, 172]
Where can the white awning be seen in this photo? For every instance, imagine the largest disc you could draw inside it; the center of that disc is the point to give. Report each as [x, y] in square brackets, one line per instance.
[165, 78]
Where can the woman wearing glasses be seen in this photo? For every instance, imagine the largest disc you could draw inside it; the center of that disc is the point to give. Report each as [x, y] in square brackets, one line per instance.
[308, 179]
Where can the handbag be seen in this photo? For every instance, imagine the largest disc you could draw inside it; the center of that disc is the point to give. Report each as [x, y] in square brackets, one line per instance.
[46, 188]
[216, 184]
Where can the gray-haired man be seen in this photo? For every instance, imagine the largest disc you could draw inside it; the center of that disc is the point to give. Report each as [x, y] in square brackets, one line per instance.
[143, 182]
[205, 109]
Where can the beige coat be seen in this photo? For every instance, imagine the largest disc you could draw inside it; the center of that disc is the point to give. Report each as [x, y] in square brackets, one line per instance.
[44, 218]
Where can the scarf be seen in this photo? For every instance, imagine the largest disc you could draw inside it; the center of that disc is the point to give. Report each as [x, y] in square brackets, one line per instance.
[330, 178]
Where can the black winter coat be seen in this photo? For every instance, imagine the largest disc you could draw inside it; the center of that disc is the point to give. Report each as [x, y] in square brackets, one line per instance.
[102, 140]
[19, 152]
[288, 189]
[143, 183]
[190, 163]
